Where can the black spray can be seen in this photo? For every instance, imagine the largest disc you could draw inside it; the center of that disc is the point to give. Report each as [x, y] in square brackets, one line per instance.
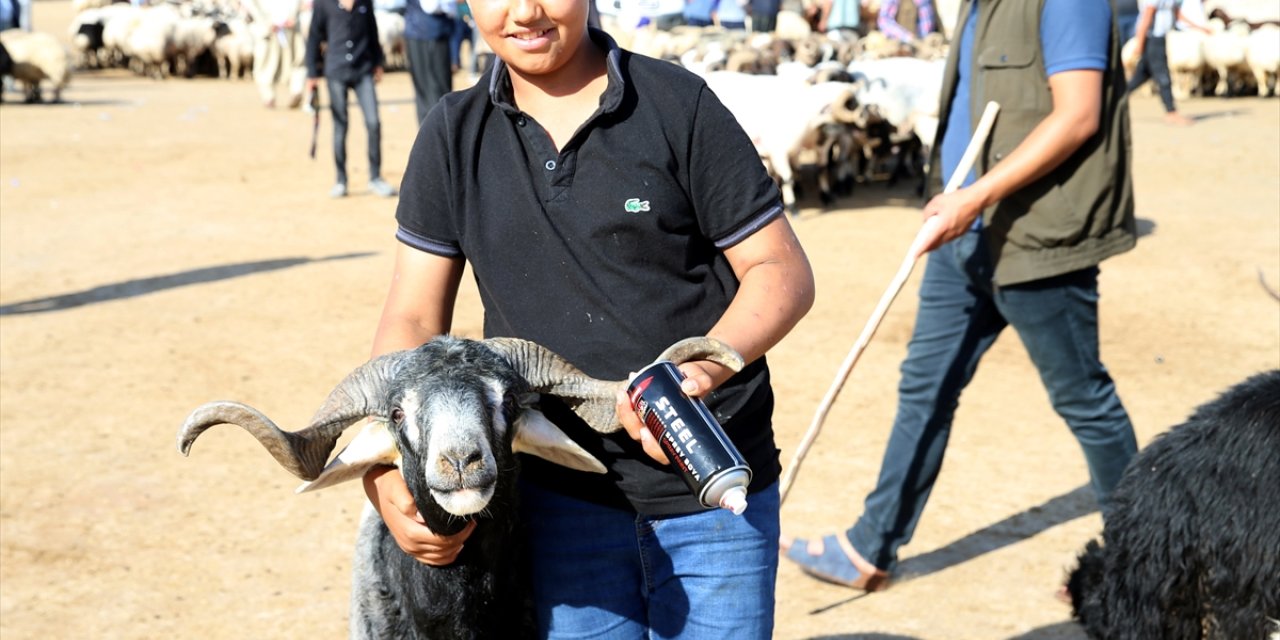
[691, 437]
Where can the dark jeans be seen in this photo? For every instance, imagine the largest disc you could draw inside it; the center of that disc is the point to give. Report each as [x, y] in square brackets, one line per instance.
[1154, 65]
[430, 70]
[368, 99]
[1127, 24]
[764, 22]
[961, 313]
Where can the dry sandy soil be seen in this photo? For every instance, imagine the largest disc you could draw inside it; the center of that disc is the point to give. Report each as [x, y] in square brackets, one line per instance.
[163, 244]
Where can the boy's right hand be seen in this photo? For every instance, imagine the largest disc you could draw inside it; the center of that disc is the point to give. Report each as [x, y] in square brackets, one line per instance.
[390, 496]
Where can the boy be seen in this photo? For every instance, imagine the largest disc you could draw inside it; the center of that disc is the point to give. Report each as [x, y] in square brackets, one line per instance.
[609, 205]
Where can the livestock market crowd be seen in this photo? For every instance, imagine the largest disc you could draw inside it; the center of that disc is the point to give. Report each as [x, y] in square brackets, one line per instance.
[828, 106]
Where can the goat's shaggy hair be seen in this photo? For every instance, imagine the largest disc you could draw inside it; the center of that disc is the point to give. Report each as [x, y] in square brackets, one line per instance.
[1191, 543]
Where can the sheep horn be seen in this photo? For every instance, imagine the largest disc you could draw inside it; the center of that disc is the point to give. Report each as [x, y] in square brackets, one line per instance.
[595, 400]
[305, 452]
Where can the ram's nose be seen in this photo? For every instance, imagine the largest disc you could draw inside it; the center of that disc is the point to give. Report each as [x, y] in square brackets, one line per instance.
[460, 461]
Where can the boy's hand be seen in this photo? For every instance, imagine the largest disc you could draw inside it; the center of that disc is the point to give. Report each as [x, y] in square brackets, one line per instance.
[390, 496]
[635, 428]
[701, 377]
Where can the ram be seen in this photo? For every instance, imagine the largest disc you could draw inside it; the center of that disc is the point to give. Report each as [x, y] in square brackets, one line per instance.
[449, 414]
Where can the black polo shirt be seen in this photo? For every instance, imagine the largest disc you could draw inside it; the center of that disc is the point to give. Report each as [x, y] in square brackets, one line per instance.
[606, 251]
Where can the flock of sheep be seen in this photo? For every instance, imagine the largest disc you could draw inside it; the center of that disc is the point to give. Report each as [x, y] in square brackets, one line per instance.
[1236, 57]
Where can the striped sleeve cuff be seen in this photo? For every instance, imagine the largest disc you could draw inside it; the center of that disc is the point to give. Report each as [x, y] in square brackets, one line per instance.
[429, 245]
[749, 227]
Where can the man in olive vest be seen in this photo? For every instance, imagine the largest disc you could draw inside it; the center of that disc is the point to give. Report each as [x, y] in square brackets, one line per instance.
[1019, 244]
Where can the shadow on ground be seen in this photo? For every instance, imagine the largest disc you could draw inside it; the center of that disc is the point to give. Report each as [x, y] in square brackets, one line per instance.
[144, 286]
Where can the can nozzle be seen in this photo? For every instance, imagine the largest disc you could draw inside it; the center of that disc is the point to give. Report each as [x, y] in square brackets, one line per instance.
[735, 500]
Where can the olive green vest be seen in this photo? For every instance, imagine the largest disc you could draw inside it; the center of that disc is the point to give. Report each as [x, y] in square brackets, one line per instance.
[1082, 211]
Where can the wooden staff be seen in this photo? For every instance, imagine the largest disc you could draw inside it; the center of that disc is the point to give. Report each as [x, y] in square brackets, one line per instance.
[927, 231]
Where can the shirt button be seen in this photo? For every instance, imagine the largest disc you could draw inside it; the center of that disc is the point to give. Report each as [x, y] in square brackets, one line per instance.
[520, 121]
[350, 57]
[350, 44]
[551, 165]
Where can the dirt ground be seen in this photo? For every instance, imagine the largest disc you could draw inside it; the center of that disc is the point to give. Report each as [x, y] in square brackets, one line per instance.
[163, 244]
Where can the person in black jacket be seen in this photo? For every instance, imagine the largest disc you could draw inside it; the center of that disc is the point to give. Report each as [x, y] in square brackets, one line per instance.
[353, 59]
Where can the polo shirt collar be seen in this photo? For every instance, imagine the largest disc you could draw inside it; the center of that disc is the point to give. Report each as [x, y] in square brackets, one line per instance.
[501, 94]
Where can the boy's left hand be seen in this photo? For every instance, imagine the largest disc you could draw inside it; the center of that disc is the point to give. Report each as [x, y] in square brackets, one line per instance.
[698, 382]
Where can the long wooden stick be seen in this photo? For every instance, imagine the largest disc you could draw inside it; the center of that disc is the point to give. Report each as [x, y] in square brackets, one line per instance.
[926, 232]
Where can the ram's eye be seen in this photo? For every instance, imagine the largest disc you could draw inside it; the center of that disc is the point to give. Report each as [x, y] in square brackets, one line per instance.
[397, 415]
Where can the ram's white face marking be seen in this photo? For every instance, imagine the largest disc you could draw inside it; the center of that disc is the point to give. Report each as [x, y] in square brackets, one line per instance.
[496, 394]
[458, 427]
[411, 405]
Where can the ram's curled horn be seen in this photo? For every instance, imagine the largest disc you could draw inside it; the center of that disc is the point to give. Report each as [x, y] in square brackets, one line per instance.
[593, 400]
[305, 452]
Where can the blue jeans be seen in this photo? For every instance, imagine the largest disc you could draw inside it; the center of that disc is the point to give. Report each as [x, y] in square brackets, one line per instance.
[960, 315]
[368, 99]
[1127, 25]
[1154, 66]
[600, 572]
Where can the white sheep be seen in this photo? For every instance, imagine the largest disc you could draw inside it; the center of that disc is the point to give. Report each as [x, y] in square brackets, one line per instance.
[1185, 53]
[37, 57]
[234, 49]
[192, 37]
[1224, 53]
[116, 28]
[1263, 56]
[150, 46]
[781, 116]
[391, 38]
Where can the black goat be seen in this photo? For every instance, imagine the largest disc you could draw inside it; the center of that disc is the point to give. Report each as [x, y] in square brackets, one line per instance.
[1191, 542]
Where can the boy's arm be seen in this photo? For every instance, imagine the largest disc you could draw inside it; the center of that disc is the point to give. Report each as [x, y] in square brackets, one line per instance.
[419, 306]
[776, 290]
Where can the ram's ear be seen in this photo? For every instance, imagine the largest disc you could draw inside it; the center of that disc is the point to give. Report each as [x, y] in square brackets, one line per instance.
[536, 435]
[374, 445]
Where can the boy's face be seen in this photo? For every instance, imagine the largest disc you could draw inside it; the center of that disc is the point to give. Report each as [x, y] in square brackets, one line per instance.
[534, 37]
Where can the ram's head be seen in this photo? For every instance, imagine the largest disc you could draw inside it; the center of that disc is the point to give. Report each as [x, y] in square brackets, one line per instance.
[449, 414]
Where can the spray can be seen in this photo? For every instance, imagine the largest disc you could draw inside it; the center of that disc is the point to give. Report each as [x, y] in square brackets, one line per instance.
[690, 436]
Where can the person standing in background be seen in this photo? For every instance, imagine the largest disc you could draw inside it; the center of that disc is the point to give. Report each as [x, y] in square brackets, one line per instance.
[428, 27]
[10, 14]
[278, 48]
[1126, 18]
[839, 16]
[462, 32]
[353, 60]
[764, 15]
[732, 14]
[1155, 19]
[699, 13]
[905, 20]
